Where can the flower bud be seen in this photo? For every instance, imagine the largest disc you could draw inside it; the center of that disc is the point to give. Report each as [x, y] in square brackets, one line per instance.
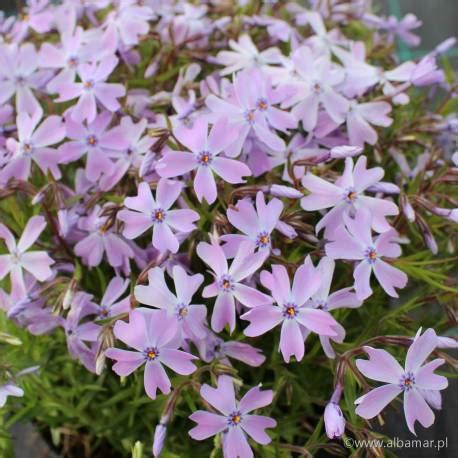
[160, 434]
[334, 420]
[406, 208]
[343, 151]
[285, 191]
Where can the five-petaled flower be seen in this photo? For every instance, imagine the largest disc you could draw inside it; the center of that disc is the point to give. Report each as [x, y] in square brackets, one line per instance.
[415, 380]
[146, 211]
[234, 419]
[152, 334]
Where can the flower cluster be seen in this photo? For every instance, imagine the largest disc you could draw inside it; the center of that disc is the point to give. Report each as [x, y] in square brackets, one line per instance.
[185, 188]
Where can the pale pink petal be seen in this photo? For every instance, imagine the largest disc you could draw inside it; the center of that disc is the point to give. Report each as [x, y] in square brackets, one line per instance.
[204, 185]
[362, 276]
[427, 380]
[416, 408]
[223, 312]
[380, 366]
[38, 264]
[254, 399]
[34, 227]
[372, 403]
[208, 425]
[422, 346]
[222, 397]
[154, 378]
[389, 277]
[291, 340]
[164, 239]
[126, 361]
[213, 255]
[254, 425]
[179, 361]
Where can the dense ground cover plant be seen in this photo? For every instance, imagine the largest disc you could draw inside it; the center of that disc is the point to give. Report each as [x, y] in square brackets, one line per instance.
[200, 198]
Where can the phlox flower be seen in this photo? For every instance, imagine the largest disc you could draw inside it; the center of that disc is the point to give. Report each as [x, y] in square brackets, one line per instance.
[110, 305]
[244, 55]
[20, 76]
[100, 241]
[213, 347]
[251, 109]
[233, 418]
[146, 211]
[416, 381]
[132, 150]
[37, 263]
[359, 118]
[33, 145]
[96, 141]
[9, 389]
[227, 286]
[205, 158]
[315, 88]
[82, 333]
[130, 20]
[354, 241]
[256, 224]
[37, 15]
[93, 88]
[346, 195]
[323, 299]
[152, 335]
[190, 318]
[291, 310]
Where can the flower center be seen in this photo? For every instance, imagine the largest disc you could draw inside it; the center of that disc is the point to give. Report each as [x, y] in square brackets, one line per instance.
[92, 140]
[350, 195]
[26, 148]
[262, 104]
[182, 311]
[289, 310]
[204, 158]
[317, 88]
[371, 255]
[263, 239]
[407, 381]
[159, 215]
[104, 312]
[72, 61]
[151, 353]
[226, 283]
[234, 418]
[88, 84]
[249, 116]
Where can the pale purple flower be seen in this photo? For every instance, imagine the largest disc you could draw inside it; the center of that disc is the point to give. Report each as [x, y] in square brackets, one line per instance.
[334, 421]
[233, 419]
[131, 153]
[190, 318]
[95, 140]
[213, 347]
[291, 310]
[110, 304]
[81, 333]
[324, 300]
[38, 263]
[71, 53]
[93, 88]
[130, 21]
[354, 241]
[346, 195]
[34, 145]
[360, 116]
[19, 75]
[315, 88]
[415, 380]
[245, 55]
[256, 224]
[152, 335]
[146, 211]
[227, 286]
[37, 15]
[100, 241]
[251, 109]
[204, 157]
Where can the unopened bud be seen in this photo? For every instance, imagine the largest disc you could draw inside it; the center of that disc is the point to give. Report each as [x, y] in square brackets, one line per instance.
[278, 190]
[69, 294]
[343, 151]
[406, 208]
[384, 187]
[160, 434]
[334, 421]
